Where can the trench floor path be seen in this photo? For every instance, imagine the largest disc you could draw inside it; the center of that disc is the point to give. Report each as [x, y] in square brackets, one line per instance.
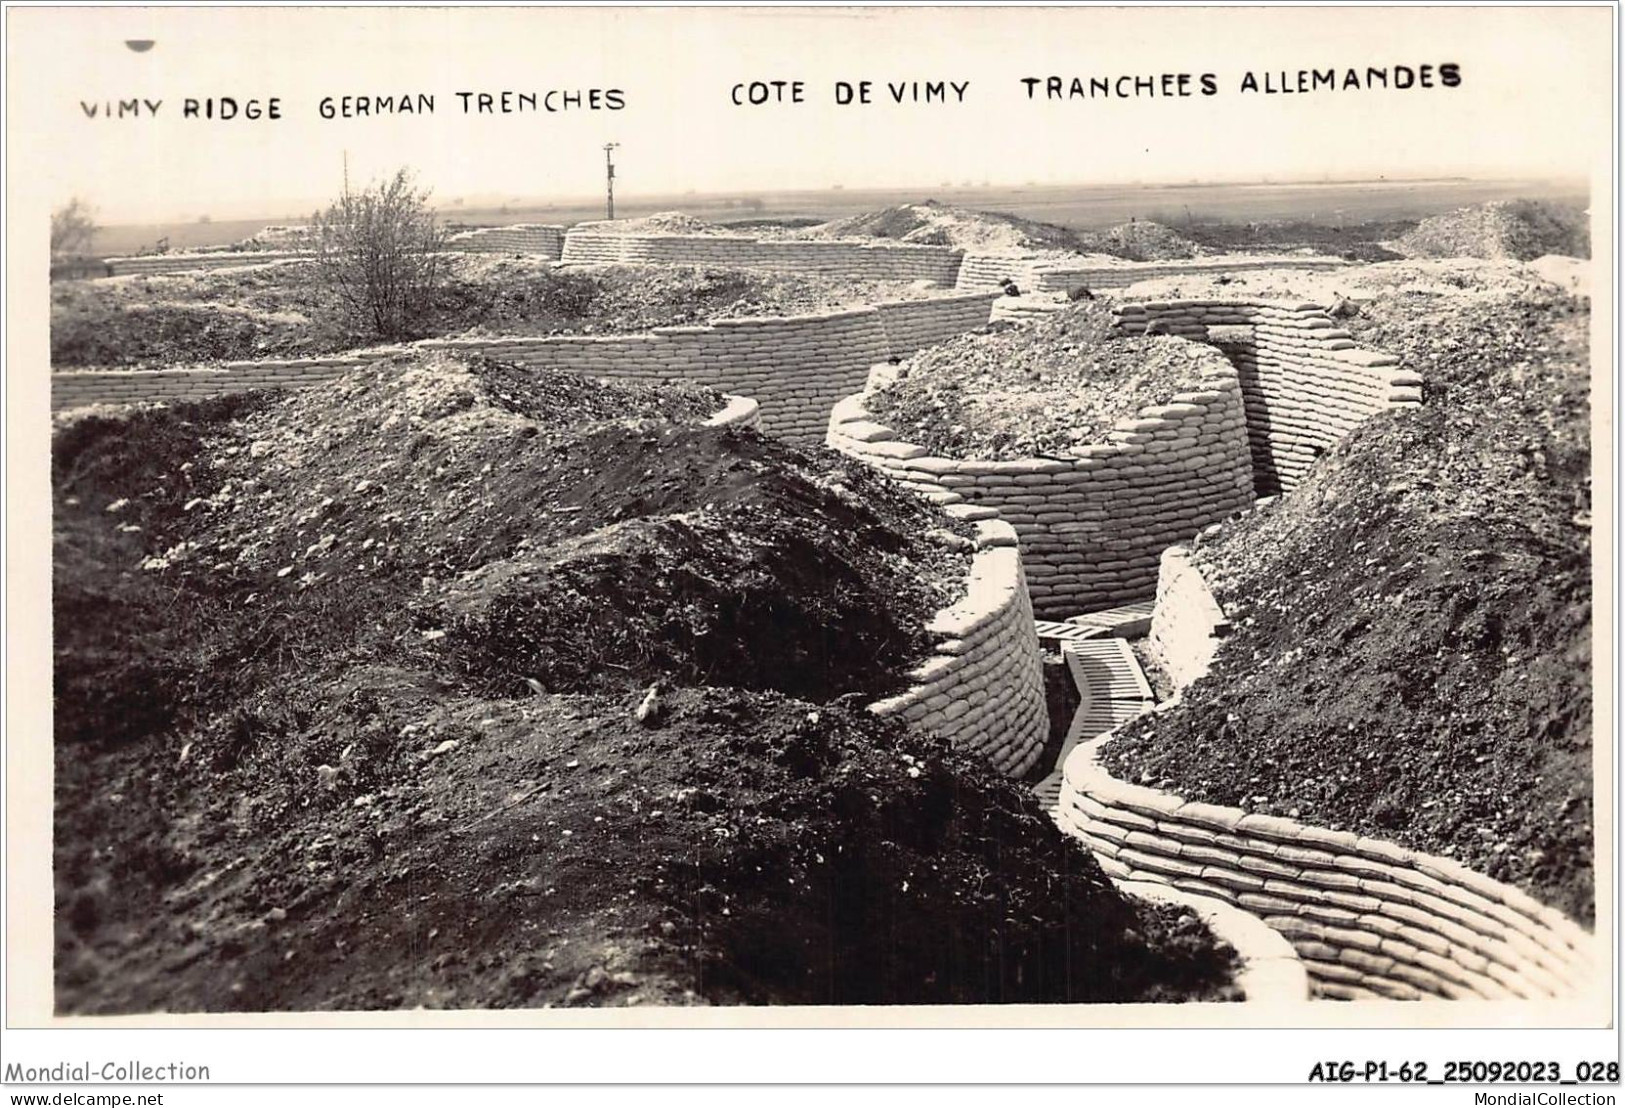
[1110, 682]
[1114, 690]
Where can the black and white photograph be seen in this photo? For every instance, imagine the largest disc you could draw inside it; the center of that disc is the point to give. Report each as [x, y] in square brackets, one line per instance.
[1090, 517]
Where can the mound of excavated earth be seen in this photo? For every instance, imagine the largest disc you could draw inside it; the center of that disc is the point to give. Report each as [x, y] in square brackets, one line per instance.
[456, 685]
[1520, 229]
[1046, 388]
[1411, 654]
[1139, 241]
[933, 224]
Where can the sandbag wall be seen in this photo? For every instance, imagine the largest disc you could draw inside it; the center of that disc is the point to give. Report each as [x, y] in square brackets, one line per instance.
[77, 388]
[591, 244]
[739, 411]
[1093, 527]
[541, 239]
[1057, 273]
[585, 246]
[913, 325]
[1187, 623]
[1305, 383]
[1370, 919]
[987, 271]
[794, 367]
[187, 263]
[983, 688]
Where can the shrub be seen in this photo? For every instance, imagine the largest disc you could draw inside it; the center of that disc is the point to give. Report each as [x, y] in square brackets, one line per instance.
[72, 229]
[379, 251]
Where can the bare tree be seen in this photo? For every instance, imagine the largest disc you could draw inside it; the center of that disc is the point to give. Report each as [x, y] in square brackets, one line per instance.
[380, 253]
[72, 229]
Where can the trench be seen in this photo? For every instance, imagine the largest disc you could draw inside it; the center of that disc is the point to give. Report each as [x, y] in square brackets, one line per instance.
[1366, 919]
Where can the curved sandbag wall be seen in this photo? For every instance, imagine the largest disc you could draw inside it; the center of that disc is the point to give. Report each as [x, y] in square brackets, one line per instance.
[1092, 528]
[1187, 623]
[1304, 381]
[1369, 918]
[983, 687]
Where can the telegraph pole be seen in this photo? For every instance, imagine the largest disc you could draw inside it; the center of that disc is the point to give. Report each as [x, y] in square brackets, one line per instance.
[609, 178]
[346, 172]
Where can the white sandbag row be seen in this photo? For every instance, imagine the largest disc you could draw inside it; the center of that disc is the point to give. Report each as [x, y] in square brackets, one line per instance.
[186, 263]
[545, 240]
[739, 411]
[74, 389]
[1066, 277]
[1056, 271]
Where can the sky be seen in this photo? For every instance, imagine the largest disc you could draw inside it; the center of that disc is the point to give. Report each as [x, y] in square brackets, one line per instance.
[1532, 101]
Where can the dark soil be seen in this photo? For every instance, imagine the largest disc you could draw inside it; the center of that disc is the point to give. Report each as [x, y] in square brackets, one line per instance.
[1046, 388]
[513, 535]
[284, 310]
[1412, 652]
[348, 687]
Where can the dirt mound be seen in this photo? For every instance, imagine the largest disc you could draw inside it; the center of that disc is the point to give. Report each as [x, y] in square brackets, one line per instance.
[1519, 229]
[285, 311]
[375, 695]
[1412, 648]
[934, 224]
[539, 527]
[1138, 241]
[1043, 389]
[748, 849]
[659, 223]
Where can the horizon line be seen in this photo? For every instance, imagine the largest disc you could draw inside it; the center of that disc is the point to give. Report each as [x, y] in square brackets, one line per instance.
[586, 199]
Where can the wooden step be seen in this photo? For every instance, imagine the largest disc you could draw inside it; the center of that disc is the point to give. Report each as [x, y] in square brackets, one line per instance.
[1129, 621]
[1048, 792]
[1106, 669]
[1065, 632]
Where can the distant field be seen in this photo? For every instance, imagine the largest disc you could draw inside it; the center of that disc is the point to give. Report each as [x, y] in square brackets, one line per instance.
[1077, 207]
[131, 238]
